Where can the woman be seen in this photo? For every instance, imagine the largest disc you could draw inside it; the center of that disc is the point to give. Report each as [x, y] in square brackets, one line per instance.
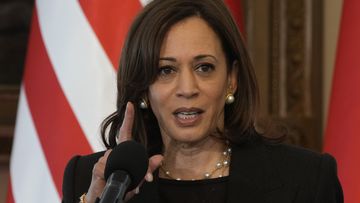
[187, 91]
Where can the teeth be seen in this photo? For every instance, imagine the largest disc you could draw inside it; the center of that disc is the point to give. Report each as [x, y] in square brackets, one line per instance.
[187, 115]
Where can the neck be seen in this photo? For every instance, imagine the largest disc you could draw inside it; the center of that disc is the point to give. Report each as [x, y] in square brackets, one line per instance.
[190, 161]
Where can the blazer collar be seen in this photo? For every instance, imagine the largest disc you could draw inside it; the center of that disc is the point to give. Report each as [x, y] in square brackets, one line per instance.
[251, 174]
[256, 175]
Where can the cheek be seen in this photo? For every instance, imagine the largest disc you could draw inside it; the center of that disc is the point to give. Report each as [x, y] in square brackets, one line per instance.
[157, 99]
[216, 92]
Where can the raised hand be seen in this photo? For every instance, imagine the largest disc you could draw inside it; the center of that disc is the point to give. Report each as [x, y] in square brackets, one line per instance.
[125, 133]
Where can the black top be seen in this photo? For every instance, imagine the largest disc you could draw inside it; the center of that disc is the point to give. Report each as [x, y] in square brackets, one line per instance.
[259, 173]
[198, 191]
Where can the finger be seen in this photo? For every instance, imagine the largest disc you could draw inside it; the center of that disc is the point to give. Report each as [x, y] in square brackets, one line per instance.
[107, 153]
[136, 190]
[129, 195]
[126, 127]
[98, 171]
[154, 163]
[133, 192]
[99, 167]
[104, 158]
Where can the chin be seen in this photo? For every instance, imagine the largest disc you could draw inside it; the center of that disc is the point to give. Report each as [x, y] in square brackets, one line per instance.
[190, 138]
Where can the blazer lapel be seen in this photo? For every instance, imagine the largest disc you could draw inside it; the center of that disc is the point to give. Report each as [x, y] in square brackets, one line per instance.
[253, 176]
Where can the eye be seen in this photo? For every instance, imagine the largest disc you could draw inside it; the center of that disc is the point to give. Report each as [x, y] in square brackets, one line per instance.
[166, 71]
[205, 68]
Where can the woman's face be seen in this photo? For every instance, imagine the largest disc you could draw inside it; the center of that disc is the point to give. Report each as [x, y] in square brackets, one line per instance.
[188, 97]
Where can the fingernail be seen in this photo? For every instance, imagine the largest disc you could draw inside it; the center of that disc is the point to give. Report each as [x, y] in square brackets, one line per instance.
[149, 177]
[137, 190]
[127, 105]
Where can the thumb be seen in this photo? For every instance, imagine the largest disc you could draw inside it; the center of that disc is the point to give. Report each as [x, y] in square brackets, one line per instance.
[154, 163]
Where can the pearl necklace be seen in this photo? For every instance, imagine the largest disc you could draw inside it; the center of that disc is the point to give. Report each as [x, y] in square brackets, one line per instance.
[222, 164]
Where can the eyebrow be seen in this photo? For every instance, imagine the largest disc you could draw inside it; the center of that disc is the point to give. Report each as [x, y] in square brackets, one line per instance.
[199, 57]
[167, 59]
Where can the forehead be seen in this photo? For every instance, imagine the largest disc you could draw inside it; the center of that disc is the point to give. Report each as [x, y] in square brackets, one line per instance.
[191, 36]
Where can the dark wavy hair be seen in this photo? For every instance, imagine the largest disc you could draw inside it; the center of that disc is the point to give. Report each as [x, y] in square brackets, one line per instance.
[139, 67]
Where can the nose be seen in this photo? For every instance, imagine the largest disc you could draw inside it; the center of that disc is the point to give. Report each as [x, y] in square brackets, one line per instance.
[187, 84]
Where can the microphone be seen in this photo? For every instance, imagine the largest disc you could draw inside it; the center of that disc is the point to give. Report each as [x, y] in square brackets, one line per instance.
[126, 166]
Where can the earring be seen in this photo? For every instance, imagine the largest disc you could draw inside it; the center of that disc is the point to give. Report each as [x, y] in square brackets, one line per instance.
[229, 98]
[143, 104]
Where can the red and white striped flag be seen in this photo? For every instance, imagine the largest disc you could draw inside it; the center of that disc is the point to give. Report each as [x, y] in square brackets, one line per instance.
[236, 9]
[69, 87]
[343, 128]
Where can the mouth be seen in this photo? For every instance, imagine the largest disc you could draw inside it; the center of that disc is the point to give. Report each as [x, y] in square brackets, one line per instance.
[186, 117]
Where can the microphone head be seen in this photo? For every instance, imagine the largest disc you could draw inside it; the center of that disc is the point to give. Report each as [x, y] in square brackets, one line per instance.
[131, 157]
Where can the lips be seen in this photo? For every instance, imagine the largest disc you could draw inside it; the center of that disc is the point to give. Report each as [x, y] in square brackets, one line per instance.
[186, 117]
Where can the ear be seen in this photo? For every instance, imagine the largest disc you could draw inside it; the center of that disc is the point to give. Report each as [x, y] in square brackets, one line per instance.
[145, 97]
[233, 75]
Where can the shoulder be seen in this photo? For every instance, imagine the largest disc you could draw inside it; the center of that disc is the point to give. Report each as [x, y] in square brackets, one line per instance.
[298, 155]
[313, 174]
[77, 176]
[280, 152]
[294, 159]
[84, 161]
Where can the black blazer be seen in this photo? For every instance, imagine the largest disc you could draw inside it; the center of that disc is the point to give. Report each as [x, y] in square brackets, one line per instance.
[259, 173]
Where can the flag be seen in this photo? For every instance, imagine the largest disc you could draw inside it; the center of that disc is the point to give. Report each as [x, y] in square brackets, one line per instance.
[342, 137]
[236, 9]
[68, 88]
